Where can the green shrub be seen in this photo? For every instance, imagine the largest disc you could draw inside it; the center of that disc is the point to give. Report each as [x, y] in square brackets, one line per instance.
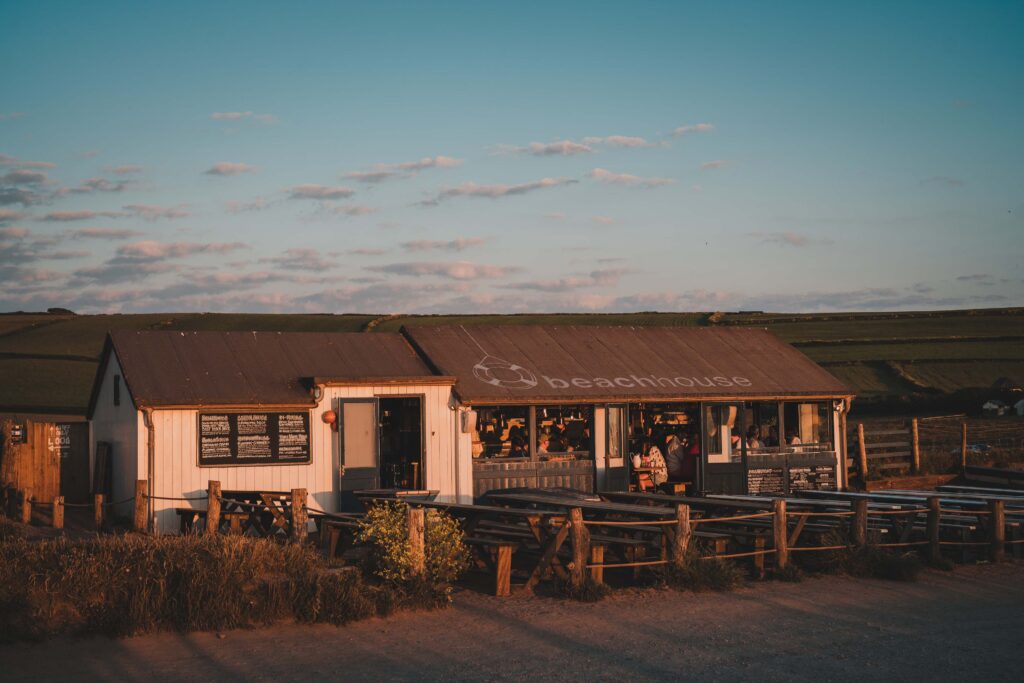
[385, 530]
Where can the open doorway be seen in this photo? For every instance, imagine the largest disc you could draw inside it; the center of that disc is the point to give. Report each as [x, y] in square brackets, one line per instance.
[401, 442]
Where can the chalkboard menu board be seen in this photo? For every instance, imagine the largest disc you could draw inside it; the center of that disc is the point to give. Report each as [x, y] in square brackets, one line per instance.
[812, 478]
[766, 480]
[253, 439]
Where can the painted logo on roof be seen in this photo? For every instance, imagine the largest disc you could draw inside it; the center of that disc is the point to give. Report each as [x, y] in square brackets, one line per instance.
[499, 372]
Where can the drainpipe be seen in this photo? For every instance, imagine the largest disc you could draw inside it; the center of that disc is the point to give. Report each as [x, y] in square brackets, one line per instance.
[147, 417]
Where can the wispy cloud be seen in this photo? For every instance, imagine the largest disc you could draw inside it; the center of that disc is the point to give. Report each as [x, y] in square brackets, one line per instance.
[788, 239]
[546, 149]
[605, 176]
[381, 172]
[84, 215]
[92, 185]
[22, 176]
[7, 160]
[368, 251]
[10, 215]
[944, 181]
[693, 128]
[126, 169]
[228, 168]
[460, 244]
[152, 212]
[301, 260]
[11, 115]
[257, 204]
[347, 210]
[619, 141]
[243, 116]
[603, 220]
[607, 277]
[104, 234]
[152, 250]
[319, 192]
[471, 189]
[716, 164]
[460, 270]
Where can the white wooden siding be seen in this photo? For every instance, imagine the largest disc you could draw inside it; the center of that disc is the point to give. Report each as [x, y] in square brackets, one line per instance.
[177, 473]
[119, 426]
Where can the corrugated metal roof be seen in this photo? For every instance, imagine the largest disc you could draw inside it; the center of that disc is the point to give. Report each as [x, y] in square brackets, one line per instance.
[532, 363]
[165, 368]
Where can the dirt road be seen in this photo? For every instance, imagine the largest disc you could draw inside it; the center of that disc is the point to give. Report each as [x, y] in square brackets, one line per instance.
[959, 626]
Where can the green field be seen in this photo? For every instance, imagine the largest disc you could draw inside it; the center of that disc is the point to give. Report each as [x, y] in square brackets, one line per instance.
[47, 362]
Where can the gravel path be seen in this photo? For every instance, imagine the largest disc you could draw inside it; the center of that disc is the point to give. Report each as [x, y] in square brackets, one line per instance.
[968, 624]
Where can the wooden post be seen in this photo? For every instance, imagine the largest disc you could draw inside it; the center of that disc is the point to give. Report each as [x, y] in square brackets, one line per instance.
[844, 465]
[780, 533]
[212, 507]
[580, 547]
[300, 516]
[97, 511]
[963, 446]
[915, 446]
[26, 506]
[862, 462]
[934, 519]
[415, 523]
[503, 572]
[997, 530]
[683, 535]
[597, 558]
[139, 523]
[58, 512]
[860, 522]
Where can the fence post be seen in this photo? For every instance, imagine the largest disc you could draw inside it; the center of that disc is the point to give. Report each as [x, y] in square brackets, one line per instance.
[934, 519]
[97, 511]
[580, 547]
[915, 446]
[683, 535]
[212, 507]
[997, 530]
[860, 522]
[26, 506]
[415, 522]
[863, 460]
[141, 505]
[780, 533]
[963, 446]
[58, 512]
[300, 517]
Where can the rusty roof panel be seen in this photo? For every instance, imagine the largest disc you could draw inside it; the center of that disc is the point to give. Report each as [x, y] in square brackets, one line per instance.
[538, 363]
[164, 368]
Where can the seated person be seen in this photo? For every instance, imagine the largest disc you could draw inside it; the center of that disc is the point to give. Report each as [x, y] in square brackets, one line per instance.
[754, 437]
[792, 439]
[656, 461]
[543, 444]
[519, 448]
[675, 456]
[772, 440]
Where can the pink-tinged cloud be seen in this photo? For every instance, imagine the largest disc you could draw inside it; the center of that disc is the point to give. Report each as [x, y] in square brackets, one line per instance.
[562, 148]
[14, 233]
[126, 169]
[257, 204]
[297, 259]
[789, 239]
[715, 165]
[406, 169]
[69, 216]
[10, 215]
[22, 176]
[619, 141]
[605, 176]
[7, 160]
[460, 244]
[153, 212]
[693, 128]
[319, 192]
[105, 234]
[460, 270]
[151, 250]
[92, 185]
[472, 189]
[229, 168]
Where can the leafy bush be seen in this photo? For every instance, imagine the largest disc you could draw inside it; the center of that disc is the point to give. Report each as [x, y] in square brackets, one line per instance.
[385, 530]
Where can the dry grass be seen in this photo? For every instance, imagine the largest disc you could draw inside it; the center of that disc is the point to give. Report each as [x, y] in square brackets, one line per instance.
[125, 585]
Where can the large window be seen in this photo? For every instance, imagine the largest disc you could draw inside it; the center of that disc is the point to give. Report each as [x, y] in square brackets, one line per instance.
[760, 426]
[565, 432]
[808, 426]
[502, 432]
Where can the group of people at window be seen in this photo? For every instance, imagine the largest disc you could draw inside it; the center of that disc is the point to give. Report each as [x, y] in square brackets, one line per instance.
[672, 455]
[505, 433]
[755, 440]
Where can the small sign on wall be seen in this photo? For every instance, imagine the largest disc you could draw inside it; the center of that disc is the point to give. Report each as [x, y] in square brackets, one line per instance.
[232, 439]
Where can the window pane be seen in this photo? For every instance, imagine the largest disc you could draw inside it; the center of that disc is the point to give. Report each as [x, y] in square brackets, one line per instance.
[565, 432]
[502, 432]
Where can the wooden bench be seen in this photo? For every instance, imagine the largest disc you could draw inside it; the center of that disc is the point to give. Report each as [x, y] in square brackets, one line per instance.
[496, 555]
[191, 521]
[331, 530]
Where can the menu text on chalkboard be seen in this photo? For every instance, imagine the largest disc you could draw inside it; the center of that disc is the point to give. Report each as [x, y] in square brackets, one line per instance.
[253, 439]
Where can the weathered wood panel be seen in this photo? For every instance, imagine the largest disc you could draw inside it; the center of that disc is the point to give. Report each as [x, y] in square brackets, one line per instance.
[32, 465]
[492, 475]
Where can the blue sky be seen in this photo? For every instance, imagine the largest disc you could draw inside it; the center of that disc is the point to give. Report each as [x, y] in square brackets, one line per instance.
[475, 157]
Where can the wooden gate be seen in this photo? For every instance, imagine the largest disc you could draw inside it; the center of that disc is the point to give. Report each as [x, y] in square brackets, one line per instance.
[885, 451]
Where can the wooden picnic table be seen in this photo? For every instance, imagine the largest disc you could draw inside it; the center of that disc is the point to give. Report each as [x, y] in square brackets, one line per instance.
[268, 511]
[692, 501]
[597, 507]
[548, 532]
